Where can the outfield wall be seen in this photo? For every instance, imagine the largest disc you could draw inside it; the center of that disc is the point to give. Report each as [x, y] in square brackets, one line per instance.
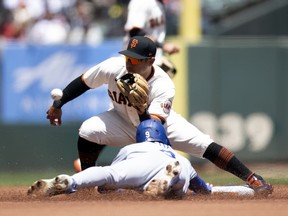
[237, 93]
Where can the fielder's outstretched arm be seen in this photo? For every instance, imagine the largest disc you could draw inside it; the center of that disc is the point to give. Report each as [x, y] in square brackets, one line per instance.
[71, 91]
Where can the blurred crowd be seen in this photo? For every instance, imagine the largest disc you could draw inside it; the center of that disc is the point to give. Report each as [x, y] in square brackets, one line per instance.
[60, 21]
[68, 21]
[91, 21]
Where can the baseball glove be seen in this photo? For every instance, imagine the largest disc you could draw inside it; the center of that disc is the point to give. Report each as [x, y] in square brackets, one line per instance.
[135, 88]
[168, 66]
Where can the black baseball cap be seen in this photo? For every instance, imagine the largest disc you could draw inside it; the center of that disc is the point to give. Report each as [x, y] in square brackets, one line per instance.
[140, 47]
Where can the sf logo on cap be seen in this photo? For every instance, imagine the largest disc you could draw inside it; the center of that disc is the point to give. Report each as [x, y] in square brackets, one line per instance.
[134, 42]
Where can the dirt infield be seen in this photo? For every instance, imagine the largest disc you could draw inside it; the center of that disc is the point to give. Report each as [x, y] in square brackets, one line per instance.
[14, 201]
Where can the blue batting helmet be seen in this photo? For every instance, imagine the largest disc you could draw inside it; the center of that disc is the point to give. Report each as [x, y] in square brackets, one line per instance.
[152, 131]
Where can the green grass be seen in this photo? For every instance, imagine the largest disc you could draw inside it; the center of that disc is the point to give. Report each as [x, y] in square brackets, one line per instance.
[275, 173]
[27, 178]
[229, 179]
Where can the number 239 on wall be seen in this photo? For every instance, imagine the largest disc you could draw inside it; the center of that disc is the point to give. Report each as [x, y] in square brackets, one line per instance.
[233, 131]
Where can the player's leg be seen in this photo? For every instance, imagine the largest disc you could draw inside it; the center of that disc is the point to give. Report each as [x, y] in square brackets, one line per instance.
[226, 160]
[90, 177]
[187, 138]
[168, 183]
[107, 128]
[178, 177]
[50, 187]
[128, 173]
[131, 173]
[88, 153]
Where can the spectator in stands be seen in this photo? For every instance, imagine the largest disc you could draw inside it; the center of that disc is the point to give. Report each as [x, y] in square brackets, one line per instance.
[16, 22]
[83, 27]
[51, 29]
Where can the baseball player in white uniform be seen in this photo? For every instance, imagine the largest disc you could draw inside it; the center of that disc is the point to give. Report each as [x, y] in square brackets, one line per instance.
[150, 166]
[116, 127]
[148, 18]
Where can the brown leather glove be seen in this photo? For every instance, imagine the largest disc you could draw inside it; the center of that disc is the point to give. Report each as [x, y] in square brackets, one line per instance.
[54, 115]
[135, 88]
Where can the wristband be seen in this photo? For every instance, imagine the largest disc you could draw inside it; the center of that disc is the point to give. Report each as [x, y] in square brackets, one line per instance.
[57, 104]
[144, 116]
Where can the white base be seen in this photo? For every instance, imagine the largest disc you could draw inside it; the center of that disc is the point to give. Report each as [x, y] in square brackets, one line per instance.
[241, 190]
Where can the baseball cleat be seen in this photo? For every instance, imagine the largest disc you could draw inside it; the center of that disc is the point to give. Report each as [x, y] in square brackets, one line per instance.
[163, 185]
[260, 186]
[50, 187]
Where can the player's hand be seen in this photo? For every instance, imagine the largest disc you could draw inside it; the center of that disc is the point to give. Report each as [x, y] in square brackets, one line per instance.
[170, 48]
[54, 115]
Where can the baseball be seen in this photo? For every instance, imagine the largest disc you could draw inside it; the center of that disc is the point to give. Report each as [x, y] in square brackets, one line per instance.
[56, 94]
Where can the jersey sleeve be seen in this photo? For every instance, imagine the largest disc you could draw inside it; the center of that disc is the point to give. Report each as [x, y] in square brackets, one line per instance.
[161, 97]
[137, 15]
[103, 72]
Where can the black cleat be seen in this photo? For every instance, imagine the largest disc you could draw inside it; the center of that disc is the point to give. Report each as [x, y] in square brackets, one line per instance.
[260, 186]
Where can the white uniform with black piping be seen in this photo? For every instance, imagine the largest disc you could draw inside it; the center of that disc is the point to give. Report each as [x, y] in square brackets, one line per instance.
[117, 126]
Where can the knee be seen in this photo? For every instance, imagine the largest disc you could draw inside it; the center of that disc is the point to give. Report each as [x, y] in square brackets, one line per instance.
[87, 128]
[92, 130]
